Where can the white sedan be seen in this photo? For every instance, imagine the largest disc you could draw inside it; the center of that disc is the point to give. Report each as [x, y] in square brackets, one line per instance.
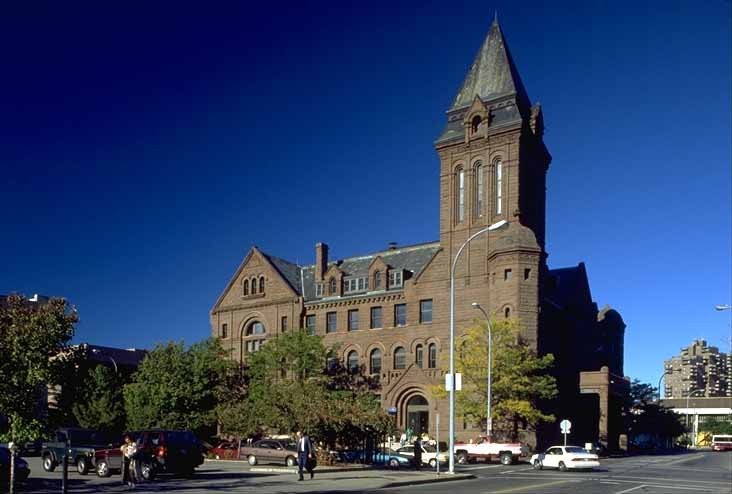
[429, 454]
[564, 458]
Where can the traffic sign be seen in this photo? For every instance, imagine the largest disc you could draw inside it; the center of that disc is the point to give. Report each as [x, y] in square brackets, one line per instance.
[458, 381]
[564, 426]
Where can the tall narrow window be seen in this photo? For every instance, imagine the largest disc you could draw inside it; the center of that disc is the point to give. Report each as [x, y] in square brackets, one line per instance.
[245, 288]
[254, 286]
[460, 195]
[353, 361]
[318, 289]
[261, 284]
[376, 317]
[332, 286]
[224, 330]
[375, 361]
[425, 311]
[419, 356]
[331, 322]
[377, 280]
[400, 315]
[283, 324]
[310, 324]
[432, 356]
[353, 320]
[499, 187]
[400, 358]
[478, 189]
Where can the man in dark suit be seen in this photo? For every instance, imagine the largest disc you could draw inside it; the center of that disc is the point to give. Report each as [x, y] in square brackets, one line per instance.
[305, 454]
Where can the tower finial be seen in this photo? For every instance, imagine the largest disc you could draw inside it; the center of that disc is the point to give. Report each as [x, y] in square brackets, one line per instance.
[495, 17]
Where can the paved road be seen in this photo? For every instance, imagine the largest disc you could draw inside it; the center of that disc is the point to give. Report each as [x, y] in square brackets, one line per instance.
[689, 473]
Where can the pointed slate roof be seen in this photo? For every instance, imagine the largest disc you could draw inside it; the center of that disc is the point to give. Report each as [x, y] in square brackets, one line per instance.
[492, 74]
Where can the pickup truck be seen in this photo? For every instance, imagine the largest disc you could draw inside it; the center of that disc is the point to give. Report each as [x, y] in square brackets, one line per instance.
[78, 444]
[481, 448]
[271, 451]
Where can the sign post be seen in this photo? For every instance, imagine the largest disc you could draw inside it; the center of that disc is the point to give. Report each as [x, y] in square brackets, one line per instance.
[565, 426]
[437, 445]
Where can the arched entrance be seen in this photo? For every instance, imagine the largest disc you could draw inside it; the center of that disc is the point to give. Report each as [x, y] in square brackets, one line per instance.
[418, 415]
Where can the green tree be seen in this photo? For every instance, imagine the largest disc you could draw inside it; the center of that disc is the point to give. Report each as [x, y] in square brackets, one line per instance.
[34, 347]
[519, 378]
[177, 388]
[717, 425]
[100, 404]
[649, 424]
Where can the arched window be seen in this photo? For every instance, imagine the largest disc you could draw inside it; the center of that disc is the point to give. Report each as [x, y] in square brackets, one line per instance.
[460, 194]
[377, 280]
[432, 356]
[352, 361]
[261, 284]
[507, 312]
[255, 328]
[245, 288]
[254, 286]
[400, 358]
[375, 361]
[499, 187]
[332, 286]
[419, 356]
[479, 189]
[475, 123]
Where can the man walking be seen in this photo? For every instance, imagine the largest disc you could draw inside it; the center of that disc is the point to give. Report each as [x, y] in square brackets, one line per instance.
[305, 454]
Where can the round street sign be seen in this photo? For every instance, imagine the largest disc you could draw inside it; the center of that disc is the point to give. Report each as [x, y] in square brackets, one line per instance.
[565, 425]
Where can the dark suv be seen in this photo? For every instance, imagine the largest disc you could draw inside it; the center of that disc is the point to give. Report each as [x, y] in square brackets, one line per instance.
[81, 444]
[170, 451]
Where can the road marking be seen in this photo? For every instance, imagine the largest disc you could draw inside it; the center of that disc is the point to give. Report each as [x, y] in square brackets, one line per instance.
[689, 458]
[631, 489]
[517, 470]
[534, 486]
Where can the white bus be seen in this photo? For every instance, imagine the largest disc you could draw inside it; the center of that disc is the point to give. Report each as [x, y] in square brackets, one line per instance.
[721, 442]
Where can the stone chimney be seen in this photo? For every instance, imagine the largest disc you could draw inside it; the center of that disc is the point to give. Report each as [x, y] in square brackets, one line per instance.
[321, 260]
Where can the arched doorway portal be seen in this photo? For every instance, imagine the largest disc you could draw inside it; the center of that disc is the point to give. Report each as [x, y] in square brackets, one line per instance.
[418, 415]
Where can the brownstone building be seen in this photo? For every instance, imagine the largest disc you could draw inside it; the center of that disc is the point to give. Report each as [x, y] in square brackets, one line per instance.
[389, 310]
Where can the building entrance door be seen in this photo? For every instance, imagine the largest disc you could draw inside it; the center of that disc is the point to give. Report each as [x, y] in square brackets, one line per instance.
[418, 415]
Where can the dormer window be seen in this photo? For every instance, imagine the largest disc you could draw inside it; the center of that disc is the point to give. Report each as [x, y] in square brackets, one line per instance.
[475, 124]
[377, 280]
[395, 279]
[318, 289]
[351, 285]
[332, 287]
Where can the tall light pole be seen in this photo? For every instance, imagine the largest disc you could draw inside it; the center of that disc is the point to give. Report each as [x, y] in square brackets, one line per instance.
[494, 226]
[689, 395]
[665, 372]
[488, 420]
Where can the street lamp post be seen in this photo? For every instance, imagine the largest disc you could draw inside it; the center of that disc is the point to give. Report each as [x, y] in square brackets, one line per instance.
[488, 420]
[689, 395]
[494, 226]
[665, 372]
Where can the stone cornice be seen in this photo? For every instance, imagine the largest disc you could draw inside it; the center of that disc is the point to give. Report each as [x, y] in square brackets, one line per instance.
[249, 305]
[381, 297]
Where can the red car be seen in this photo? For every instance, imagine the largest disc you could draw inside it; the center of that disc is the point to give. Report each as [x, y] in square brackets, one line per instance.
[225, 451]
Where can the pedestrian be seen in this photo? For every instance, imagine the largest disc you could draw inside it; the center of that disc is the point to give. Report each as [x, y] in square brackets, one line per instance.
[130, 454]
[305, 455]
[125, 461]
[418, 453]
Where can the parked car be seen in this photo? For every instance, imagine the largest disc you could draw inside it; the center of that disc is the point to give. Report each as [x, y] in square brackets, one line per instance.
[161, 451]
[565, 458]
[82, 443]
[392, 460]
[224, 451]
[429, 454]
[22, 471]
[271, 451]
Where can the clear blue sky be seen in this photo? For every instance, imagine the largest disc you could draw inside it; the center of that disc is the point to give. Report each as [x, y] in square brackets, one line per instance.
[144, 151]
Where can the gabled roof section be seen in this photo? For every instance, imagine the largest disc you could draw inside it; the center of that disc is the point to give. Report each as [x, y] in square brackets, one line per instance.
[569, 287]
[493, 74]
[289, 271]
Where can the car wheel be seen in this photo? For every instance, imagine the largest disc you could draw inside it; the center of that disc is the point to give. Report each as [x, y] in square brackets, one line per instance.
[290, 461]
[538, 465]
[148, 471]
[506, 458]
[562, 467]
[82, 466]
[103, 469]
[433, 463]
[393, 463]
[48, 464]
[252, 460]
[462, 458]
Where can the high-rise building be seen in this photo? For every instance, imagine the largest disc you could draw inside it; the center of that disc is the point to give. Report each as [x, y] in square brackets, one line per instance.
[699, 369]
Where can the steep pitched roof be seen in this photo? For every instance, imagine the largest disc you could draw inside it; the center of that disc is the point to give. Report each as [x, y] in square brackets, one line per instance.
[569, 286]
[493, 73]
[288, 270]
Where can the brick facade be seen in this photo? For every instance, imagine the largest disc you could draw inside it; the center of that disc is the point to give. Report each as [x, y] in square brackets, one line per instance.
[493, 165]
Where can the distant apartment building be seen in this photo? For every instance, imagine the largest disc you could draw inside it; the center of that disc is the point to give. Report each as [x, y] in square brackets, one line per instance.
[700, 370]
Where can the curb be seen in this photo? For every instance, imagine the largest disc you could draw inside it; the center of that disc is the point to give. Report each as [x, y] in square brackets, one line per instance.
[441, 478]
[317, 470]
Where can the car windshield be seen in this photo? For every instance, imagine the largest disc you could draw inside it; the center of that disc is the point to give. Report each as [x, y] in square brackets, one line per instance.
[88, 437]
[575, 449]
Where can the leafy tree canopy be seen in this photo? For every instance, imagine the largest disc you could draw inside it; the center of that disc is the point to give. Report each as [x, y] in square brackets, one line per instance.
[177, 388]
[519, 378]
[34, 341]
[100, 404]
